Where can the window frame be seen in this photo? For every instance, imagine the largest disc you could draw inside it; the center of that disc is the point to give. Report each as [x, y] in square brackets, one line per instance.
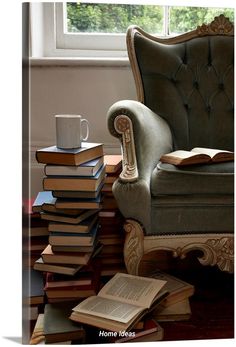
[85, 41]
[48, 39]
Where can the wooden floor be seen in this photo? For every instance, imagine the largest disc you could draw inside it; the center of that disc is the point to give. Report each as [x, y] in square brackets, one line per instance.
[212, 309]
[212, 304]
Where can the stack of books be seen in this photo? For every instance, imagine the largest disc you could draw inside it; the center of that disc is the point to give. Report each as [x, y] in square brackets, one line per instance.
[135, 306]
[112, 238]
[35, 234]
[122, 302]
[176, 306]
[54, 327]
[111, 222]
[70, 203]
[61, 288]
[113, 165]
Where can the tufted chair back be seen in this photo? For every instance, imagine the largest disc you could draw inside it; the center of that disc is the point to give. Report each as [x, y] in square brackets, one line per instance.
[189, 81]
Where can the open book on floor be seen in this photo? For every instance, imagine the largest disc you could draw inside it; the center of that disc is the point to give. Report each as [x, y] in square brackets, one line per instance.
[121, 303]
[197, 155]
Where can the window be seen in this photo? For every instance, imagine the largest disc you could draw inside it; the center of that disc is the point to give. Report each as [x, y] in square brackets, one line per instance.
[97, 28]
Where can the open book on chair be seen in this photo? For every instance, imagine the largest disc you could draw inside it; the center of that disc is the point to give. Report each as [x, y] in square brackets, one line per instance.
[197, 155]
[121, 303]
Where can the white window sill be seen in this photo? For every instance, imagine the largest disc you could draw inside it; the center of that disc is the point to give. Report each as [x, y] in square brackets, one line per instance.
[83, 61]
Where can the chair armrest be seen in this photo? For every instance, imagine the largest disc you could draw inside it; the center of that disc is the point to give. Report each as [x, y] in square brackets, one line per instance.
[144, 135]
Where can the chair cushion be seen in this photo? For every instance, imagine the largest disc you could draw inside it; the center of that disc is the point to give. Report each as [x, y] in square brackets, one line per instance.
[217, 178]
[192, 199]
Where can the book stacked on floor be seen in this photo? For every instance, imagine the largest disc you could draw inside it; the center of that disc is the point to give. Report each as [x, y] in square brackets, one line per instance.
[62, 254]
[176, 306]
[112, 238]
[113, 169]
[121, 303]
[54, 326]
[111, 222]
[33, 294]
[151, 331]
[70, 203]
[84, 283]
[146, 330]
[35, 235]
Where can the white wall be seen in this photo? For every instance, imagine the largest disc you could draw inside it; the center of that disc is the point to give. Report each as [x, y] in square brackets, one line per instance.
[74, 89]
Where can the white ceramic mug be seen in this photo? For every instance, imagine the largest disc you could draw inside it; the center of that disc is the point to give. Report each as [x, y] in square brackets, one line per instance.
[69, 131]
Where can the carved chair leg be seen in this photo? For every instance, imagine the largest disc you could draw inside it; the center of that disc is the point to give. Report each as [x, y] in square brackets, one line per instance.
[133, 247]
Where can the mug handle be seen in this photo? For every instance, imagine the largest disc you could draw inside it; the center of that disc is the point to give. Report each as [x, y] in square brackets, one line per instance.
[87, 127]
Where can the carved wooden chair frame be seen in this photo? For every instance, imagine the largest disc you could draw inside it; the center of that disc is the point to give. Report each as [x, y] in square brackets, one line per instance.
[217, 249]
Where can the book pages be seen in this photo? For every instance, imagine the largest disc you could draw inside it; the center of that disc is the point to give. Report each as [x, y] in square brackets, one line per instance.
[107, 308]
[132, 290]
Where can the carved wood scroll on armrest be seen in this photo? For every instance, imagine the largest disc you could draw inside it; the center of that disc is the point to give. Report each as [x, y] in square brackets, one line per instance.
[123, 126]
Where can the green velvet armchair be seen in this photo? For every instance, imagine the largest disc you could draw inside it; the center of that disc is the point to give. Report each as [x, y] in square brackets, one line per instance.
[185, 88]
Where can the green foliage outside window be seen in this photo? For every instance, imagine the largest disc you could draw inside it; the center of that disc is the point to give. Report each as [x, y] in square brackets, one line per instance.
[184, 19]
[115, 18]
[110, 18]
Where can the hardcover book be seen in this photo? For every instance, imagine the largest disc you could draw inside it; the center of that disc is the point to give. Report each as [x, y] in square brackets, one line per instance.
[78, 203]
[178, 289]
[152, 331]
[73, 239]
[76, 156]
[197, 155]
[74, 289]
[56, 268]
[179, 311]
[38, 333]
[79, 258]
[121, 303]
[57, 327]
[54, 281]
[45, 202]
[73, 248]
[81, 215]
[69, 183]
[90, 168]
[38, 231]
[113, 163]
[36, 288]
[84, 227]
[40, 199]
[91, 194]
[38, 337]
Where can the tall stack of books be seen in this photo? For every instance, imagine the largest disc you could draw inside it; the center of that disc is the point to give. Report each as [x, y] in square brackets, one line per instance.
[111, 222]
[35, 235]
[54, 327]
[70, 202]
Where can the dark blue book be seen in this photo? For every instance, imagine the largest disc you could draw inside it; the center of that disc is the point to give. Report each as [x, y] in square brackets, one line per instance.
[90, 168]
[67, 203]
[92, 194]
[45, 202]
[73, 239]
[83, 227]
[42, 198]
[70, 183]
